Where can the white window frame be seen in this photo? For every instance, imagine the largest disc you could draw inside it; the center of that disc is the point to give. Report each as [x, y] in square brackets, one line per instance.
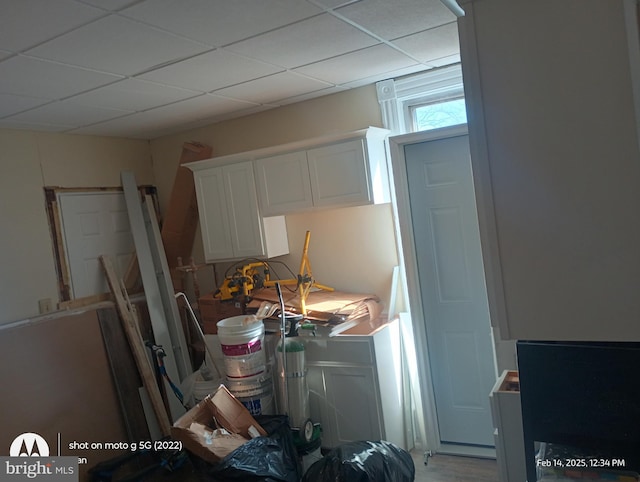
[398, 96]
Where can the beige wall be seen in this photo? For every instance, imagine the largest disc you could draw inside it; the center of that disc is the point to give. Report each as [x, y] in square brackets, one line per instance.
[351, 249]
[30, 161]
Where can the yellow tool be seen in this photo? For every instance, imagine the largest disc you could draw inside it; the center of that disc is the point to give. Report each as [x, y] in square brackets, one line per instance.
[248, 278]
[304, 281]
[243, 281]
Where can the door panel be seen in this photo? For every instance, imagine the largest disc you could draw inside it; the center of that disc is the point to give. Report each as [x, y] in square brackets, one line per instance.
[243, 209]
[283, 183]
[353, 410]
[94, 224]
[452, 273]
[451, 276]
[338, 174]
[213, 213]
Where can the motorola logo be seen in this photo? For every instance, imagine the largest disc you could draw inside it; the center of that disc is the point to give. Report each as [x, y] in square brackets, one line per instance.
[29, 445]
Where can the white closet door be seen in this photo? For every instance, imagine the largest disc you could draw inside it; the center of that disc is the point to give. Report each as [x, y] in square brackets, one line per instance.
[454, 297]
[94, 224]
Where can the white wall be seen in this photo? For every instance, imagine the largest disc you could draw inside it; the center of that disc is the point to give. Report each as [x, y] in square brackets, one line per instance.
[30, 161]
[350, 249]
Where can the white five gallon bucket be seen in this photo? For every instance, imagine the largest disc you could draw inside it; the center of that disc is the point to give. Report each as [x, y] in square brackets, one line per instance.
[242, 346]
[255, 393]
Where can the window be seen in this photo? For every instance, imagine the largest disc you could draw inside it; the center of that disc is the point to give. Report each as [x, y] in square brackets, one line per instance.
[428, 100]
[438, 114]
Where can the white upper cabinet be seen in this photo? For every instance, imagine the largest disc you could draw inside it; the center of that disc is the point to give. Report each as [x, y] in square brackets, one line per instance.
[214, 214]
[339, 174]
[283, 183]
[552, 92]
[231, 225]
[242, 215]
[337, 171]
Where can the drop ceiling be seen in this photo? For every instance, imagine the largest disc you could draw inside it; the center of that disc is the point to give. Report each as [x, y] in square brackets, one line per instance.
[143, 69]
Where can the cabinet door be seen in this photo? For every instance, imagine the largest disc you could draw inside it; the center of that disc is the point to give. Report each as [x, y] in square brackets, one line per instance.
[339, 174]
[213, 213]
[283, 183]
[352, 411]
[242, 204]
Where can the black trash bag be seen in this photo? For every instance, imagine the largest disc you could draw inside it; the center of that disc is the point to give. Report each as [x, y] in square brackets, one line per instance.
[264, 459]
[363, 462]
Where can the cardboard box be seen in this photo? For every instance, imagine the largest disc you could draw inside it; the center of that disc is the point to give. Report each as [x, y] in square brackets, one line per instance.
[212, 310]
[181, 219]
[323, 305]
[218, 410]
[332, 312]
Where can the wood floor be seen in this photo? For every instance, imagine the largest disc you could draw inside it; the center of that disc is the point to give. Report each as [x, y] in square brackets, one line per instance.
[452, 468]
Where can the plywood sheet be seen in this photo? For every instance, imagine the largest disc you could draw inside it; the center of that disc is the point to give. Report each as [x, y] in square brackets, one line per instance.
[181, 218]
[56, 379]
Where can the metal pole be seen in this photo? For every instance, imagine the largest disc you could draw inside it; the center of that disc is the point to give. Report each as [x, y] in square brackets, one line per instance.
[285, 386]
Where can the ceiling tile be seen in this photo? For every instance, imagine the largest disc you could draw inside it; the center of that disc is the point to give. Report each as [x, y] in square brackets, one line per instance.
[334, 3]
[312, 95]
[37, 78]
[46, 19]
[358, 65]
[210, 71]
[431, 44]
[134, 95]
[11, 104]
[168, 117]
[317, 38]
[14, 124]
[118, 45]
[131, 126]
[221, 22]
[158, 58]
[197, 108]
[393, 74]
[111, 5]
[269, 90]
[68, 113]
[451, 59]
[398, 18]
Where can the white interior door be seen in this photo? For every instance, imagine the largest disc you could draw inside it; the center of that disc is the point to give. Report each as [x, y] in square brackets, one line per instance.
[453, 292]
[93, 224]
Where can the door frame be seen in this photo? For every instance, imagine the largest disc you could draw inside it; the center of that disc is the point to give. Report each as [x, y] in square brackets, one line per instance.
[52, 205]
[431, 435]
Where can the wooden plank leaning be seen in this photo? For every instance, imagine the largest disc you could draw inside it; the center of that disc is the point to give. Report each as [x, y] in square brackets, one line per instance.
[163, 308]
[132, 330]
[125, 374]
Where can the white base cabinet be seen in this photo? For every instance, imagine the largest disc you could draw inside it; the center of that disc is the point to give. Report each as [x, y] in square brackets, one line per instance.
[507, 420]
[355, 386]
